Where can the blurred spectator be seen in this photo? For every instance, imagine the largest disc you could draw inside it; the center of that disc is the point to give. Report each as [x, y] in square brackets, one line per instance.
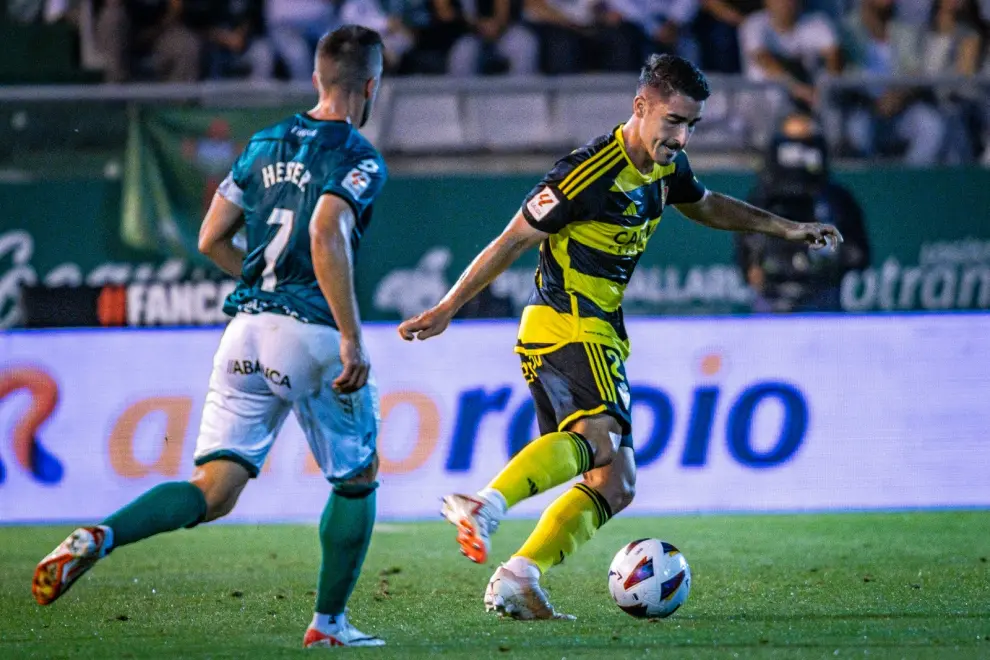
[565, 29]
[717, 31]
[913, 12]
[622, 31]
[23, 11]
[795, 183]
[952, 42]
[236, 41]
[780, 43]
[295, 26]
[669, 28]
[886, 120]
[158, 36]
[951, 46]
[630, 30]
[435, 26]
[496, 40]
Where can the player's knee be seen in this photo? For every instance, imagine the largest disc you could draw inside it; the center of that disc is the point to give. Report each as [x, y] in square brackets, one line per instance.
[361, 484]
[221, 483]
[623, 496]
[604, 451]
[218, 507]
[220, 499]
[604, 435]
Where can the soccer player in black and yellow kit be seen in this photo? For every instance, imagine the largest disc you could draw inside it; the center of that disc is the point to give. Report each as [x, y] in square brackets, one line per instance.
[592, 216]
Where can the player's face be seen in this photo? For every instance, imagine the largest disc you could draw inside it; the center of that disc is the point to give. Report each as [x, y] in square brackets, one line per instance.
[666, 123]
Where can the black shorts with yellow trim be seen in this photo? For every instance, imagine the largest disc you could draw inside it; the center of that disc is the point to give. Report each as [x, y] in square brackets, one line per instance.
[578, 380]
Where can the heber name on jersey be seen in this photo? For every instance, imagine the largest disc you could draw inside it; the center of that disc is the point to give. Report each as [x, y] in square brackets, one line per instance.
[291, 172]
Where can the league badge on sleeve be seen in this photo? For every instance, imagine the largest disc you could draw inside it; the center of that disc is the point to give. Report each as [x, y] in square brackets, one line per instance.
[356, 182]
[542, 203]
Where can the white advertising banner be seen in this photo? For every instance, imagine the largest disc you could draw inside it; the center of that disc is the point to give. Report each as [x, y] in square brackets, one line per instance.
[744, 414]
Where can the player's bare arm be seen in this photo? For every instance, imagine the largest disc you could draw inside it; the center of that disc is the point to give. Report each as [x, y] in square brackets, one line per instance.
[501, 253]
[333, 262]
[216, 235]
[720, 211]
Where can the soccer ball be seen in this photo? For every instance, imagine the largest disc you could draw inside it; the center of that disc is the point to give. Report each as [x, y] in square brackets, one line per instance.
[649, 578]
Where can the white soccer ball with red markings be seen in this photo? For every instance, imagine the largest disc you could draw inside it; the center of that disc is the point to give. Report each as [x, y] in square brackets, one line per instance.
[649, 578]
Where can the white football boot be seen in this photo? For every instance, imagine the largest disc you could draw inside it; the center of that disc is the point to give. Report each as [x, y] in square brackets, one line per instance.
[476, 519]
[340, 632]
[66, 563]
[518, 594]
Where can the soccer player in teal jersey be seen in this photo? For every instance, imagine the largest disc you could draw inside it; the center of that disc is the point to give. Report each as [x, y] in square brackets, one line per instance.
[592, 217]
[302, 190]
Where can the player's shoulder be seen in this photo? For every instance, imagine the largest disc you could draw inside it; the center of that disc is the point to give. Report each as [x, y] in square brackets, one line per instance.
[347, 146]
[276, 131]
[361, 147]
[595, 147]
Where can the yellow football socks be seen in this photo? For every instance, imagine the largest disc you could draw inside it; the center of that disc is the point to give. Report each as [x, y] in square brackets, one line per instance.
[548, 461]
[568, 523]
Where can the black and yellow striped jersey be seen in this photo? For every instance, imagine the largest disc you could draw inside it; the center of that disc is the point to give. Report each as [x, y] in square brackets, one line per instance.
[600, 211]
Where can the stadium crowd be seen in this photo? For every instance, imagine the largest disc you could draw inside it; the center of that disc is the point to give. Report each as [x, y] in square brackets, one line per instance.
[790, 41]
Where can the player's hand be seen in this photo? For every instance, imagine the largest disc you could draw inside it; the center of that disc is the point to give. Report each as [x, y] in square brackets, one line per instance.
[356, 366]
[428, 324]
[816, 234]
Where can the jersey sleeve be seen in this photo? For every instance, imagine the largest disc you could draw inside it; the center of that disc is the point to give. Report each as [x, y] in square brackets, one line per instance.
[233, 185]
[683, 185]
[548, 208]
[357, 180]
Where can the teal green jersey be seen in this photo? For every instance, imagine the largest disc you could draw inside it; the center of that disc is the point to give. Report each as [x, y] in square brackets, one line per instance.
[277, 180]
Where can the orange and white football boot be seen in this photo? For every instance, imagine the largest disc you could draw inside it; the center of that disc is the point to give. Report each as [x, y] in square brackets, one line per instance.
[66, 563]
[476, 519]
[340, 632]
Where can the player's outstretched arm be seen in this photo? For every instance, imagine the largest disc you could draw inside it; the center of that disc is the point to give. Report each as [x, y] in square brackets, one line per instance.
[330, 231]
[216, 235]
[515, 239]
[720, 211]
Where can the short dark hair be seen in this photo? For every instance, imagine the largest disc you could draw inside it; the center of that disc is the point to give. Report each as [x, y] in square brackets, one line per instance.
[669, 75]
[348, 56]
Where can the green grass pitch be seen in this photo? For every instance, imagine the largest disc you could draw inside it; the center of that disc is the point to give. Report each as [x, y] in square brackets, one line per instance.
[897, 585]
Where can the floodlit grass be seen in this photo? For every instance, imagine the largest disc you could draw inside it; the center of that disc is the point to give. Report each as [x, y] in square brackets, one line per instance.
[866, 585]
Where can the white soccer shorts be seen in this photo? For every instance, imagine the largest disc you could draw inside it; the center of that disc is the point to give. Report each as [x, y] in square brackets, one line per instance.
[268, 364]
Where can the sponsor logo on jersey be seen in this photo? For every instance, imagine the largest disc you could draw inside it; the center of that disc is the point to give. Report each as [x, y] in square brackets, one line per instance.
[542, 203]
[248, 367]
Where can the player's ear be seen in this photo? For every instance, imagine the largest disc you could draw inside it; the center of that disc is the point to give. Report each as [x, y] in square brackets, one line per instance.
[640, 105]
[316, 82]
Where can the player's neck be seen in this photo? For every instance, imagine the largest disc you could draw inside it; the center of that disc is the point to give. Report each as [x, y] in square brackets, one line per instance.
[638, 154]
[332, 108]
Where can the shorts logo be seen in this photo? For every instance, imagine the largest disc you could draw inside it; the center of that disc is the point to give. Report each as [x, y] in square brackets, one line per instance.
[248, 367]
[542, 203]
[624, 394]
[356, 182]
